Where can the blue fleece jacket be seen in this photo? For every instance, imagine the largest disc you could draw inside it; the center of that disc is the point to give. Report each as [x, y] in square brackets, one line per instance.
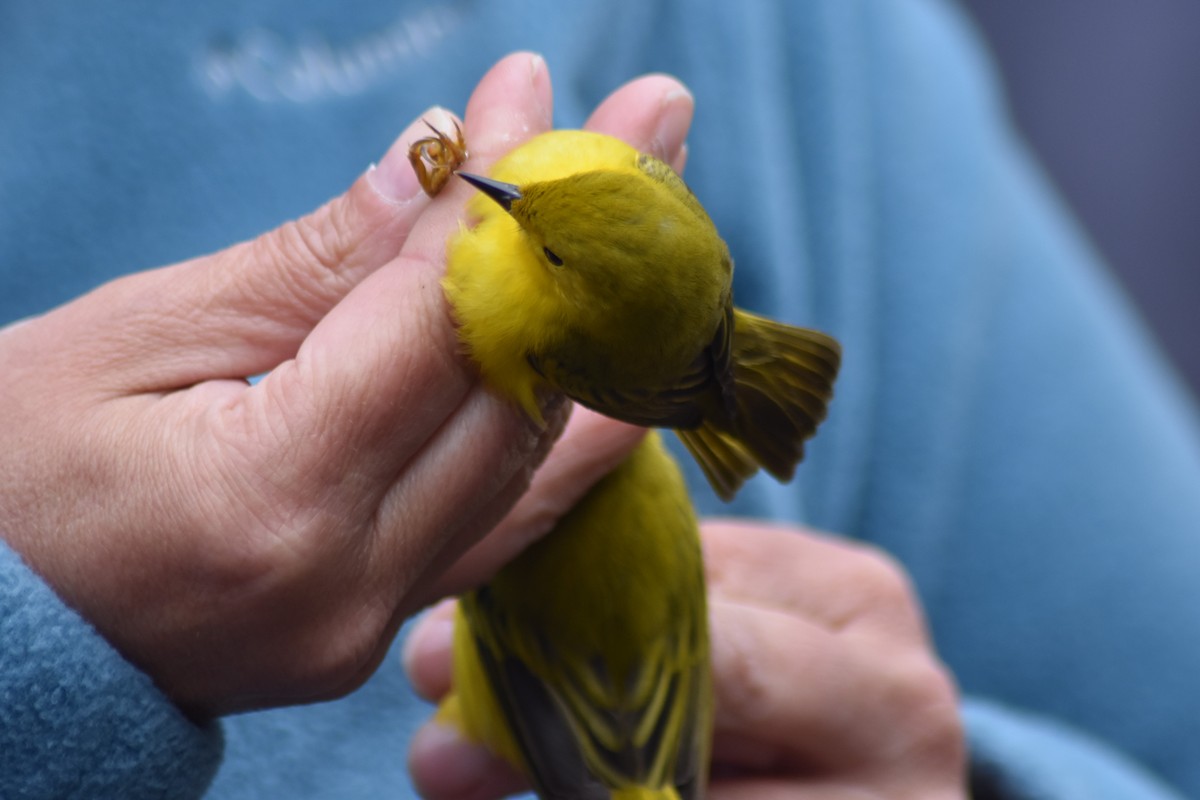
[1002, 424]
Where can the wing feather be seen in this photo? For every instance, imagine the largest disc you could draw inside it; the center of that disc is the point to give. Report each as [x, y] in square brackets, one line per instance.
[580, 732]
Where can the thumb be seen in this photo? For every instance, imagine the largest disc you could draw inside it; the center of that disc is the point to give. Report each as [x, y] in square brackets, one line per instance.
[245, 309]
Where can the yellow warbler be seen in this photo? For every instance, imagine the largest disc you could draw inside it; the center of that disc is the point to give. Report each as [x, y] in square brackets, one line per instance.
[585, 660]
[594, 270]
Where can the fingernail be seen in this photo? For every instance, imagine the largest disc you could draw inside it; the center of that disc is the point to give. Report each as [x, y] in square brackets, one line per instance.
[393, 177]
[674, 120]
[539, 77]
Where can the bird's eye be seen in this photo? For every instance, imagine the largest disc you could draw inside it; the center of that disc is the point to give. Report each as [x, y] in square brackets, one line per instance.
[551, 257]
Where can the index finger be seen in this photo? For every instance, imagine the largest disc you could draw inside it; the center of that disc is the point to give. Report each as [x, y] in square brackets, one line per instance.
[381, 373]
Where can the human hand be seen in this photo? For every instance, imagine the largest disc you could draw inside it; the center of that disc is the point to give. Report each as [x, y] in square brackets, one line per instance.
[258, 545]
[827, 686]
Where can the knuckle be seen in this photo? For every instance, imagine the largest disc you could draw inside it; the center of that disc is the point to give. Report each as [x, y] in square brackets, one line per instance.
[315, 238]
[337, 656]
[309, 253]
[884, 587]
[926, 686]
[884, 573]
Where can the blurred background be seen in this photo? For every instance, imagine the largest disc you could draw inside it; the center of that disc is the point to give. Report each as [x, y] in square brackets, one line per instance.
[1108, 95]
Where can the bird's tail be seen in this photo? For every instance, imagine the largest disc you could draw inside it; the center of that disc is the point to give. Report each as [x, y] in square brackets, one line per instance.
[783, 382]
[642, 793]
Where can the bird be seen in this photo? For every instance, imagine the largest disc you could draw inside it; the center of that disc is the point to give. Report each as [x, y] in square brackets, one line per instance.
[594, 271]
[590, 269]
[585, 661]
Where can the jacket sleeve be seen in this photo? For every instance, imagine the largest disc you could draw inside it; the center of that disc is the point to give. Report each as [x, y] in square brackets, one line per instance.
[1020, 756]
[76, 719]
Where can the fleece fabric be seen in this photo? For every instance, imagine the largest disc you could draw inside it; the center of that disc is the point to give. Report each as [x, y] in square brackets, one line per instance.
[1003, 425]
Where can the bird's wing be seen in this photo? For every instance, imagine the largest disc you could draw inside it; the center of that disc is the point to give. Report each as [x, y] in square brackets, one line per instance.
[673, 406]
[579, 733]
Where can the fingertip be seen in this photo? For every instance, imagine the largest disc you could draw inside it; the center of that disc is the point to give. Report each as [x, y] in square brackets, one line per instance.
[652, 113]
[394, 178]
[543, 92]
[444, 766]
[680, 162]
[428, 651]
[513, 101]
[675, 120]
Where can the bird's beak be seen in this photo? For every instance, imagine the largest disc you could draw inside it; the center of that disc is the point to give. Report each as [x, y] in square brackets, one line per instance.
[503, 193]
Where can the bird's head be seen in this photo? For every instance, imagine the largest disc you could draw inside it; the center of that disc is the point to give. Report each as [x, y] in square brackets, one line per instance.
[608, 231]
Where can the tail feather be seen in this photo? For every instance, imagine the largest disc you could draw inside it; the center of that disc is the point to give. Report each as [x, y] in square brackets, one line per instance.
[783, 381]
[723, 460]
[644, 793]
